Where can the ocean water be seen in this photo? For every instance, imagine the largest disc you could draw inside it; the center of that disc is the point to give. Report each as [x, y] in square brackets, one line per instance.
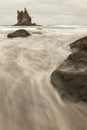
[28, 101]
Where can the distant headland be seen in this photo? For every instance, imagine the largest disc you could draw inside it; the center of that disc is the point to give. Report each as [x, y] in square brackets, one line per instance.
[24, 19]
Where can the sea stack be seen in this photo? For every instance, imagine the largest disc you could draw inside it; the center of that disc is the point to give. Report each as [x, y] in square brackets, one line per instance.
[24, 19]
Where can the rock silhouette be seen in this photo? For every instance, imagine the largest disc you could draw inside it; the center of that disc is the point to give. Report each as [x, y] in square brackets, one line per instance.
[18, 33]
[24, 18]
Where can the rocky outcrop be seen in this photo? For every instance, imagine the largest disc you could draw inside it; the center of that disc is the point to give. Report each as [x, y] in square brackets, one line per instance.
[24, 19]
[18, 33]
[80, 43]
[70, 78]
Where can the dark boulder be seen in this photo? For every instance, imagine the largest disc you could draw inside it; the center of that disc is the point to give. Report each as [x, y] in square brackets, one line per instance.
[18, 33]
[80, 43]
[70, 78]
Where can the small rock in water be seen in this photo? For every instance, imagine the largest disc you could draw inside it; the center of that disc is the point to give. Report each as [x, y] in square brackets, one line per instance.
[18, 33]
[36, 33]
[39, 28]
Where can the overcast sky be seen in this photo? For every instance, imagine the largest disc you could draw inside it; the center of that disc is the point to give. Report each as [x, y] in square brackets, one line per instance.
[46, 11]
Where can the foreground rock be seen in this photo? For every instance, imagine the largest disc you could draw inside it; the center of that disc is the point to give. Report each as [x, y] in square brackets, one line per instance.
[79, 44]
[70, 78]
[24, 19]
[18, 33]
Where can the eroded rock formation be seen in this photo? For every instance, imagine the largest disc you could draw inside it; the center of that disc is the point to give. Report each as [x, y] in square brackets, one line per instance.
[24, 18]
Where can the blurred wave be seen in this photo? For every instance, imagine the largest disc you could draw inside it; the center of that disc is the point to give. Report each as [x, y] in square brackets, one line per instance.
[28, 101]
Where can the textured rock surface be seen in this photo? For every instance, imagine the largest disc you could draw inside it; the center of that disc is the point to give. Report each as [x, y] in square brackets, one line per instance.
[80, 43]
[24, 18]
[70, 78]
[18, 33]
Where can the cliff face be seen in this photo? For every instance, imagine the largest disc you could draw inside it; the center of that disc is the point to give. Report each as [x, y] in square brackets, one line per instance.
[24, 18]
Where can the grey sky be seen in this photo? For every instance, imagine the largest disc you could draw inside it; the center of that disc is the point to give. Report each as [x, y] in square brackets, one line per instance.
[46, 11]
